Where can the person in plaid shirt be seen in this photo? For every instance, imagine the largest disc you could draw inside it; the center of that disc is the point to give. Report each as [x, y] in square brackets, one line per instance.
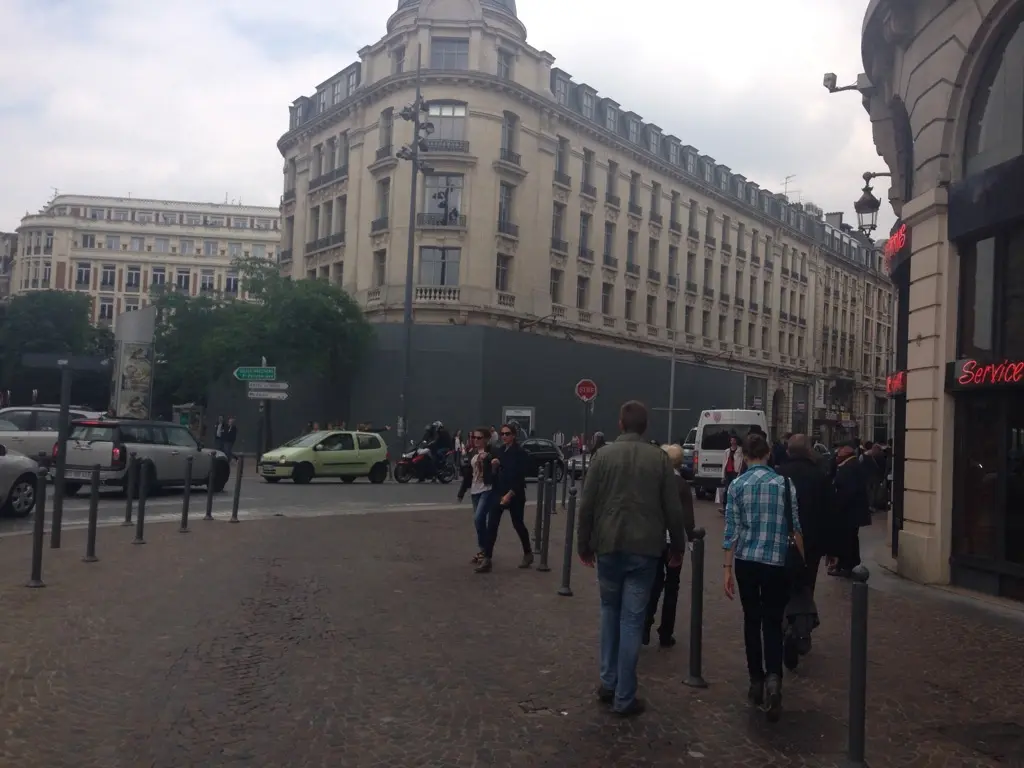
[756, 542]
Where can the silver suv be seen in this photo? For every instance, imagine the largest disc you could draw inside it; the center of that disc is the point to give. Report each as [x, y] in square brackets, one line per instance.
[109, 442]
[37, 427]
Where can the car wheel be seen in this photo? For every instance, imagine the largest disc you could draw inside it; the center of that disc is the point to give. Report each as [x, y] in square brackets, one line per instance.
[302, 474]
[221, 475]
[271, 479]
[348, 480]
[22, 498]
[559, 472]
[379, 473]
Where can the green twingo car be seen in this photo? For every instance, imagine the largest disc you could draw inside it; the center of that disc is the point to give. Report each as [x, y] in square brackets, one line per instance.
[333, 453]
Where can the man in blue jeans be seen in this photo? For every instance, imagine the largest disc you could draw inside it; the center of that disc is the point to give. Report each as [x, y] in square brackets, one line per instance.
[630, 499]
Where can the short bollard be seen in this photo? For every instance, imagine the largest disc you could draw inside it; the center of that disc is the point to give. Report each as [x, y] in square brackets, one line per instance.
[545, 533]
[38, 532]
[94, 514]
[131, 484]
[858, 667]
[238, 490]
[539, 517]
[552, 494]
[186, 495]
[565, 487]
[140, 517]
[209, 490]
[567, 552]
[695, 679]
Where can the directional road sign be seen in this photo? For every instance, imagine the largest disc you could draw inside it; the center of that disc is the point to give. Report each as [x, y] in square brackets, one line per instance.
[268, 385]
[256, 373]
[586, 390]
[262, 394]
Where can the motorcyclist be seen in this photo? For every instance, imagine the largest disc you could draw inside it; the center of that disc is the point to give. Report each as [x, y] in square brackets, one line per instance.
[439, 441]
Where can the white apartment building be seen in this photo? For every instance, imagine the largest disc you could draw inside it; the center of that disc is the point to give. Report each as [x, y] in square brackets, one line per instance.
[116, 249]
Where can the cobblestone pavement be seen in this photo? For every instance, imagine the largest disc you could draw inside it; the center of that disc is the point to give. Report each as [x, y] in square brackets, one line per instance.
[367, 641]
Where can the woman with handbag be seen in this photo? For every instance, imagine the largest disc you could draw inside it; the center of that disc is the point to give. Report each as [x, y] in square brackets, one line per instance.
[763, 546]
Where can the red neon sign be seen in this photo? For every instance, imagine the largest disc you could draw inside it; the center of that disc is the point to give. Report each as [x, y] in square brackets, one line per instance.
[896, 383]
[894, 245]
[971, 373]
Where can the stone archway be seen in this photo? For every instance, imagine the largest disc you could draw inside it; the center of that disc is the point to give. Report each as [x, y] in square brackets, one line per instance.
[778, 425]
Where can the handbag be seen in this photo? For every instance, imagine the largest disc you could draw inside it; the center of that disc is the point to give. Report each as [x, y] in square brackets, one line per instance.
[795, 564]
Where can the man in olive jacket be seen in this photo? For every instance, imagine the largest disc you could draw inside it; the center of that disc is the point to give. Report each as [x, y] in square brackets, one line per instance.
[630, 499]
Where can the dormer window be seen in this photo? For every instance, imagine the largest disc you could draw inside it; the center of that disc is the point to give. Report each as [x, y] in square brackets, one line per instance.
[339, 91]
[741, 193]
[691, 165]
[562, 91]
[654, 142]
[753, 197]
[723, 181]
[398, 60]
[588, 105]
[611, 119]
[353, 81]
[673, 154]
[634, 131]
[766, 203]
[321, 100]
[708, 173]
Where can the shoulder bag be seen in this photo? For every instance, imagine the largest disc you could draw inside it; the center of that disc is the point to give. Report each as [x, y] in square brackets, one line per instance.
[794, 558]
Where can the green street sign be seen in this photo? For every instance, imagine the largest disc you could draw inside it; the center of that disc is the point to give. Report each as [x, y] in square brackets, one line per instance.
[256, 373]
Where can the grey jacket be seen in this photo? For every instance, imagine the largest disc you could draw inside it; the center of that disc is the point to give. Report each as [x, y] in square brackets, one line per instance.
[630, 499]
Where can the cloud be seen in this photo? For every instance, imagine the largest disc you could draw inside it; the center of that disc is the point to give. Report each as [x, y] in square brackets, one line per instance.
[188, 99]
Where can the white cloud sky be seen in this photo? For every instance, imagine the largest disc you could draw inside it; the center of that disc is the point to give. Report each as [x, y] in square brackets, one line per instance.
[187, 99]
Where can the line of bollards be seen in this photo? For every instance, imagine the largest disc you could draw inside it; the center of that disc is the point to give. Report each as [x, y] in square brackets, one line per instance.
[550, 493]
[565, 590]
[145, 474]
[131, 486]
[38, 531]
[538, 520]
[210, 479]
[857, 715]
[695, 677]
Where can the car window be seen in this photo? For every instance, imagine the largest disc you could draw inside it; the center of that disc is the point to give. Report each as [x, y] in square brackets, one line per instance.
[532, 446]
[716, 436]
[21, 419]
[180, 437]
[47, 421]
[140, 434]
[691, 438]
[341, 442]
[6, 426]
[92, 433]
[368, 442]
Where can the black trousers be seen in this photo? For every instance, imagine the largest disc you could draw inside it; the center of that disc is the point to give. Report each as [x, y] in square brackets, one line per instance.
[849, 558]
[665, 580]
[729, 477]
[764, 592]
[516, 511]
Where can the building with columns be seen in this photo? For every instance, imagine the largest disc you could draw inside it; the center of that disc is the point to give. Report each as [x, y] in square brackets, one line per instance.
[115, 249]
[562, 230]
[946, 100]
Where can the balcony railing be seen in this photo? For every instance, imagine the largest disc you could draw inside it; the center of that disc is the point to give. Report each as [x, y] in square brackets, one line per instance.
[654, 275]
[803, 322]
[741, 253]
[589, 190]
[725, 298]
[657, 218]
[726, 247]
[586, 254]
[286, 255]
[710, 240]
[755, 259]
[379, 225]
[508, 156]
[803, 279]
[559, 246]
[691, 287]
[693, 233]
[673, 281]
[767, 311]
[739, 302]
[613, 200]
[785, 271]
[457, 146]
[636, 210]
[709, 292]
[508, 228]
[326, 178]
[384, 152]
[675, 226]
[610, 261]
[563, 179]
[632, 269]
[754, 306]
[440, 221]
[784, 316]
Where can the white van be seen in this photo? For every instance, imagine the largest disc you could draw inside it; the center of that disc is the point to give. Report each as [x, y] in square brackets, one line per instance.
[714, 429]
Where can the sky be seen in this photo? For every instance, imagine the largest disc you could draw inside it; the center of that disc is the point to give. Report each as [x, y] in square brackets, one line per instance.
[187, 99]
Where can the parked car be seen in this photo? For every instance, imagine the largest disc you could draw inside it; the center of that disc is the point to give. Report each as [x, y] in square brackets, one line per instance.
[168, 446]
[18, 480]
[36, 426]
[329, 453]
[542, 452]
[689, 446]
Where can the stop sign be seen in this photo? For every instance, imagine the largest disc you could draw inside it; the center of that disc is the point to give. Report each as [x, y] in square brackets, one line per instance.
[586, 390]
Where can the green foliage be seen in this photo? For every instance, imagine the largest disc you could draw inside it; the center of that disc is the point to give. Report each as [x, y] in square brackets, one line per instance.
[48, 321]
[303, 325]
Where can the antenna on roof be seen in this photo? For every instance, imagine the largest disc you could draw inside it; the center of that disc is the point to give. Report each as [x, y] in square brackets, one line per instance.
[785, 186]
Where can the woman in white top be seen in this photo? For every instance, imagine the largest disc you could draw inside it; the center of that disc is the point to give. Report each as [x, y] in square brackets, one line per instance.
[478, 478]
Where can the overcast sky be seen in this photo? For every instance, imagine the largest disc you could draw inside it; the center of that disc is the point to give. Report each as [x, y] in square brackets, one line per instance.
[187, 99]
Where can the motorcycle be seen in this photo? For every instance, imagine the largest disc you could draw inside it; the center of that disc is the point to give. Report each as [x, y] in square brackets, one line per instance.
[416, 465]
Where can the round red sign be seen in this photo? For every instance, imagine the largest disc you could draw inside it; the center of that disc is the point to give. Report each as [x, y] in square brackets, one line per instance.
[586, 390]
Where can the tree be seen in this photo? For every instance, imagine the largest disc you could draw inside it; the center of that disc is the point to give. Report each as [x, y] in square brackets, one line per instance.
[297, 325]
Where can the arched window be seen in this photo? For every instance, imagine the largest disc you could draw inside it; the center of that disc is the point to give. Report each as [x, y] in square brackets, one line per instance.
[995, 127]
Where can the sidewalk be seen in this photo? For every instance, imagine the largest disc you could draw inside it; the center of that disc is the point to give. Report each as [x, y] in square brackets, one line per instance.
[368, 641]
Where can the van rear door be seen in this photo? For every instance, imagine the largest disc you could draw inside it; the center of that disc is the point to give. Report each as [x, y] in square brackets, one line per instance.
[89, 443]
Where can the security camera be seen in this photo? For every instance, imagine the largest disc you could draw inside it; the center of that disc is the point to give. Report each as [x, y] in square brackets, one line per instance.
[829, 81]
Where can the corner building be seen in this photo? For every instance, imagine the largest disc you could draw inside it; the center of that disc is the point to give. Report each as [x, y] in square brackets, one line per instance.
[947, 109]
[558, 236]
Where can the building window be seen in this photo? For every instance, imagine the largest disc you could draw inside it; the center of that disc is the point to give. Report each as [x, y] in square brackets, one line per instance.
[502, 273]
[607, 298]
[187, 247]
[338, 91]
[158, 276]
[505, 62]
[206, 281]
[83, 274]
[162, 245]
[630, 304]
[558, 221]
[97, 214]
[557, 280]
[631, 238]
[46, 274]
[113, 243]
[582, 292]
[506, 195]
[634, 131]
[380, 267]
[449, 54]
[131, 305]
[387, 130]
[508, 132]
[108, 276]
[562, 91]
[106, 308]
[705, 324]
[611, 119]
[182, 279]
[995, 127]
[670, 315]
[210, 247]
[439, 266]
[588, 104]
[238, 223]
[133, 277]
[353, 81]
[443, 197]
[235, 250]
[449, 121]
[688, 319]
[398, 60]
[654, 142]
[383, 198]
[88, 241]
[651, 313]
[231, 283]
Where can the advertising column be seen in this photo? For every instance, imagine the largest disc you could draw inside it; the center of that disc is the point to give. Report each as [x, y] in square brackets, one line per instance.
[131, 391]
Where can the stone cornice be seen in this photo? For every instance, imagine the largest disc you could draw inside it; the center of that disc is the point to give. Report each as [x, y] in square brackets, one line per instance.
[367, 95]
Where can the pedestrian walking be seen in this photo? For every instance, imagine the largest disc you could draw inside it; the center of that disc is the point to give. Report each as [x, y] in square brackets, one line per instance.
[630, 499]
[218, 434]
[511, 463]
[762, 515]
[666, 578]
[816, 500]
[852, 512]
[478, 476]
[230, 435]
[732, 466]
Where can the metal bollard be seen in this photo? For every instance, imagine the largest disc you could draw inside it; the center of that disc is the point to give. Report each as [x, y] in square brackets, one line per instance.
[130, 486]
[567, 553]
[549, 508]
[209, 490]
[565, 486]
[94, 514]
[38, 532]
[140, 518]
[538, 519]
[858, 667]
[552, 492]
[238, 490]
[695, 679]
[186, 495]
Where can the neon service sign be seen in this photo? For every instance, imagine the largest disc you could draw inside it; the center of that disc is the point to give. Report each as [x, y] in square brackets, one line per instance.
[896, 383]
[896, 247]
[974, 374]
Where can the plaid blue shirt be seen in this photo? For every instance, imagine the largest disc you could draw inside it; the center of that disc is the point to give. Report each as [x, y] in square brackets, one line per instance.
[755, 516]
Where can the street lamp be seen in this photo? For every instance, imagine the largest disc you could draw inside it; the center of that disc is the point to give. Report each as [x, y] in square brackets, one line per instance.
[867, 206]
[411, 152]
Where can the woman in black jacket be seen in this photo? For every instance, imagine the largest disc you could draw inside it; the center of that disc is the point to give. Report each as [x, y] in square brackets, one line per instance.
[852, 512]
[479, 477]
[512, 463]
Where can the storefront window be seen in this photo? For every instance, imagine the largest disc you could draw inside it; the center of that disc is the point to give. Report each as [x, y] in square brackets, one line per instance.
[977, 299]
[1013, 292]
[995, 128]
[1015, 484]
[979, 432]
